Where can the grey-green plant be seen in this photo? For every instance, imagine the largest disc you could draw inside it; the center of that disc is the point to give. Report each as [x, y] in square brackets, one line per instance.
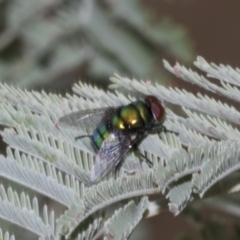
[202, 160]
[42, 42]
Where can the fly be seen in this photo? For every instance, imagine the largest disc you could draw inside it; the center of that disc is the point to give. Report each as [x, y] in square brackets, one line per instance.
[117, 129]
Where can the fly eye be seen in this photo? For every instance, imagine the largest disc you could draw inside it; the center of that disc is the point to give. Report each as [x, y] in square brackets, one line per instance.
[156, 107]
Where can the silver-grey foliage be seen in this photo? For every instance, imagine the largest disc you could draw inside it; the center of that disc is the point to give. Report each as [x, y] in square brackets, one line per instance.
[50, 161]
[52, 38]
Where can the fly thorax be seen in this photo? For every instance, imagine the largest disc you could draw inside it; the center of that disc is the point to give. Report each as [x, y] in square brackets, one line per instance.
[131, 116]
[145, 113]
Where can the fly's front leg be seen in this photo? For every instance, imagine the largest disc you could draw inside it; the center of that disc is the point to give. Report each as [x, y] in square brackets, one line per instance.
[165, 130]
[161, 128]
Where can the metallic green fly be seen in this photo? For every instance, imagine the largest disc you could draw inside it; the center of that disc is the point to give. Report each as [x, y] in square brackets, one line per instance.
[117, 130]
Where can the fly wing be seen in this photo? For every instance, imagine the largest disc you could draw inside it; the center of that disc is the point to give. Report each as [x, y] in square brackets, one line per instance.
[88, 119]
[113, 149]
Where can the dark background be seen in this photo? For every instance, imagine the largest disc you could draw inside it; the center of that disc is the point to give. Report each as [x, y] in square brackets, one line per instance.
[212, 25]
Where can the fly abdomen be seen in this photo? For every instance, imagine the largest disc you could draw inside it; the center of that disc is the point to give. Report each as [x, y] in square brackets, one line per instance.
[100, 134]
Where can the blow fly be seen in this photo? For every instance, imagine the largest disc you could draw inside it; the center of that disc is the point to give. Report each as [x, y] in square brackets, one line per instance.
[117, 130]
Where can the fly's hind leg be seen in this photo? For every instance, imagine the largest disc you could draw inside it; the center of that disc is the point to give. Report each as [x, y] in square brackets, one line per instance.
[82, 136]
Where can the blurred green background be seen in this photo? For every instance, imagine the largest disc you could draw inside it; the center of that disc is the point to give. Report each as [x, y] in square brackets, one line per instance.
[51, 44]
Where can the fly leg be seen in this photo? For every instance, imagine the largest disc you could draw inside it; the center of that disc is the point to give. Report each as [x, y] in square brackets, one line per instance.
[145, 158]
[140, 155]
[165, 130]
[82, 136]
[133, 169]
[161, 128]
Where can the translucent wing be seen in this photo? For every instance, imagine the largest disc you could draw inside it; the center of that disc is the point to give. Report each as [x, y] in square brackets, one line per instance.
[88, 119]
[113, 149]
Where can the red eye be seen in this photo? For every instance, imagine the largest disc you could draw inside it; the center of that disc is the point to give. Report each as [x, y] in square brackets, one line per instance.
[156, 107]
